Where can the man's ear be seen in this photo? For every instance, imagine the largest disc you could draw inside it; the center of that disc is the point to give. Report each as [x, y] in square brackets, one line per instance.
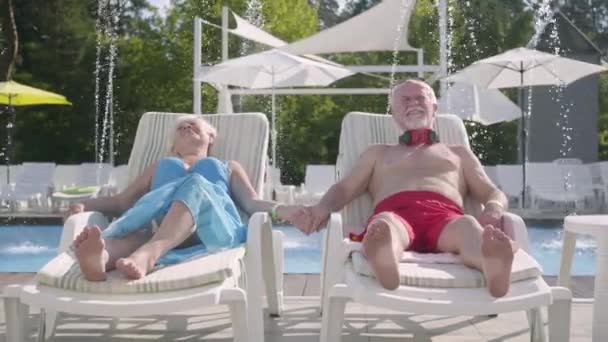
[435, 107]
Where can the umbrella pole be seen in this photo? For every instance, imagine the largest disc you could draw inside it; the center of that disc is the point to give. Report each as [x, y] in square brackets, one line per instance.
[274, 126]
[9, 139]
[524, 136]
[523, 150]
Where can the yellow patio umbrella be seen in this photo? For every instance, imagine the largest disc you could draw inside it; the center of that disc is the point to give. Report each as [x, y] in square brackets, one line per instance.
[15, 94]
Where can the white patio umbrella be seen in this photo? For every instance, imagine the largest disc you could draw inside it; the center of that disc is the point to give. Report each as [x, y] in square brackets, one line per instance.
[470, 102]
[520, 68]
[274, 69]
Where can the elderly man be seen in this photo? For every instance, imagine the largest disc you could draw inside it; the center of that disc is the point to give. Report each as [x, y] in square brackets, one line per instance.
[417, 187]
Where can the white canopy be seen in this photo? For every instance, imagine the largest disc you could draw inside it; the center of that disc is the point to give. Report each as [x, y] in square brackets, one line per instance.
[376, 29]
[251, 32]
[486, 106]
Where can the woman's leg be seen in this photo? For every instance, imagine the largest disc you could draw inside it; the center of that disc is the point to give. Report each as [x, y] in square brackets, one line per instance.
[176, 227]
[96, 255]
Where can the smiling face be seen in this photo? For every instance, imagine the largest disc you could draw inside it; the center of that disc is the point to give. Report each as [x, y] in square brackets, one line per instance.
[192, 135]
[413, 105]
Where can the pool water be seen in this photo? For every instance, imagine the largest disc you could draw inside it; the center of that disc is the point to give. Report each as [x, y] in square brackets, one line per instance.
[25, 248]
[28, 248]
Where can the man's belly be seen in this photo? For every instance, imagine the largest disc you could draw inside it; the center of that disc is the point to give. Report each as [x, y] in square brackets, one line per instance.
[443, 188]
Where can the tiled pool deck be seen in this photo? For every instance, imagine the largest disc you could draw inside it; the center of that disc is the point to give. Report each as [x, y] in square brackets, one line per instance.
[301, 321]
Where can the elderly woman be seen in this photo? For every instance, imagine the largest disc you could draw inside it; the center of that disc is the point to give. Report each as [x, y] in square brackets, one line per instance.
[189, 193]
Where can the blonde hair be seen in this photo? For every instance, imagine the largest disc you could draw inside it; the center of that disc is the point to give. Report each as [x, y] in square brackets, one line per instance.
[205, 125]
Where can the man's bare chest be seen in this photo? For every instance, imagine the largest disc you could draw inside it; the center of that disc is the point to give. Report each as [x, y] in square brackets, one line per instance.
[429, 159]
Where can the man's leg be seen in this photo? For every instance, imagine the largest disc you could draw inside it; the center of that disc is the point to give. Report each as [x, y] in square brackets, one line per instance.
[383, 245]
[96, 256]
[486, 249]
[177, 226]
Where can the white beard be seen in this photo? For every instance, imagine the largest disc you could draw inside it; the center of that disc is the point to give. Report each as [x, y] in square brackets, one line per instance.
[417, 123]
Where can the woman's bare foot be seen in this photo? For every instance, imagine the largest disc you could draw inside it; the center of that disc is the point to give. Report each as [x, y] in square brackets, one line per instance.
[378, 249]
[90, 251]
[81, 237]
[136, 266]
[497, 252]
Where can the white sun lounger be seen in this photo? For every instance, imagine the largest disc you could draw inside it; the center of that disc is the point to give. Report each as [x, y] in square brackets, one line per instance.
[559, 186]
[230, 277]
[434, 284]
[32, 182]
[509, 179]
[91, 179]
[317, 180]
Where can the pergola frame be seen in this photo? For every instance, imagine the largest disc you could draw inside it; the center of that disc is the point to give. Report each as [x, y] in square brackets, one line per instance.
[420, 68]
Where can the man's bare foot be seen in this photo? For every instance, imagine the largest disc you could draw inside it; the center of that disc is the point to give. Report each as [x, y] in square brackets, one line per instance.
[136, 266]
[497, 252]
[90, 251]
[378, 249]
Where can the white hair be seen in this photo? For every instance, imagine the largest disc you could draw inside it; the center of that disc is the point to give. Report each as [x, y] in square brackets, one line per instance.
[190, 117]
[427, 89]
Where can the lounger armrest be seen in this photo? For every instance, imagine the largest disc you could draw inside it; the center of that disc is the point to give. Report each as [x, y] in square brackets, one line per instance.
[515, 227]
[75, 223]
[335, 253]
[264, 263]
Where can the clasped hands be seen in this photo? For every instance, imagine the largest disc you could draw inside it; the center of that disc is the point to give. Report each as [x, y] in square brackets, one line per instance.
[308, 219]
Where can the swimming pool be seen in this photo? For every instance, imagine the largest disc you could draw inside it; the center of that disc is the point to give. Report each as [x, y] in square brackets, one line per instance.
[27, 248]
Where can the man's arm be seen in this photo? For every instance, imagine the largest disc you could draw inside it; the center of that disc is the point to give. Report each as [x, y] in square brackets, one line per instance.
[481, 187]
[344, 191]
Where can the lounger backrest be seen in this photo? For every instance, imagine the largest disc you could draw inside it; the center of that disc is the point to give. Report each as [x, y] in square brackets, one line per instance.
[35, 173]
[510, 179]
[360, 130]
[319, 178]
[118, 177]
[66, 176]
[94, 174]
[552, 181]
[242, 137]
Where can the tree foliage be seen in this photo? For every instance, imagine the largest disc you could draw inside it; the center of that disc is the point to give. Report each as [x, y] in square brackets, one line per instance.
[60, 40]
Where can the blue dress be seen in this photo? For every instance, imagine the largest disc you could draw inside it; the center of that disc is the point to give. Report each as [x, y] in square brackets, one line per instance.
[204, 190]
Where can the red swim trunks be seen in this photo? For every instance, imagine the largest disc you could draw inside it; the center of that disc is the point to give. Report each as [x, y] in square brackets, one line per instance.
[423, 213]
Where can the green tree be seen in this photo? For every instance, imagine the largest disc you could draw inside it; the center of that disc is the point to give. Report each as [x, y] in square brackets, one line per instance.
[328, 13]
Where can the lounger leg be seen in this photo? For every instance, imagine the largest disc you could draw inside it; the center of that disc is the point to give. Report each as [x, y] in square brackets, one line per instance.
[333, 318]
[242, 330]
[16, 316]
[41, 336]
[50, 323]
[559, 314]
[568, 247]
[537, 329]
[277, 244]
[273, 278]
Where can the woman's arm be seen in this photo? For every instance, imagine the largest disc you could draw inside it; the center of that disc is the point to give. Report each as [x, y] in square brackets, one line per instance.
[243, 192]
[119, 203]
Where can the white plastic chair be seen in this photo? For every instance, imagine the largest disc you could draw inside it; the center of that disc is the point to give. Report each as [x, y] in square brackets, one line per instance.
[241, 137]
[563, 185]
[509, 179]
[32, 182]
[118, 178]
[317, 180]
[341, 283]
